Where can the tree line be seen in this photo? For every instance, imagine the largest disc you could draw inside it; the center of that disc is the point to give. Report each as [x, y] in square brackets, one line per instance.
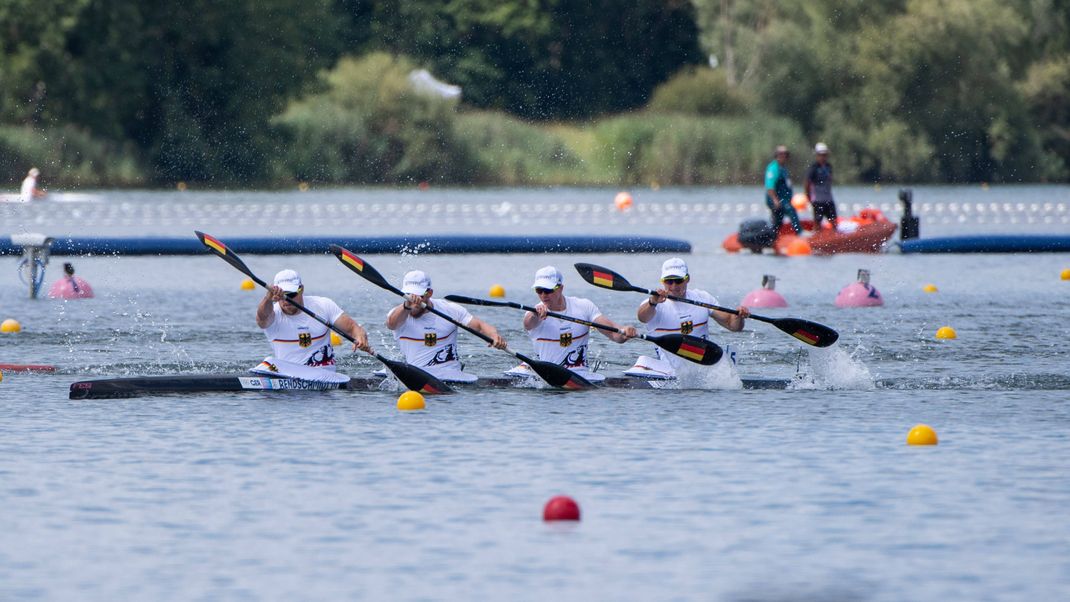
[264, 92]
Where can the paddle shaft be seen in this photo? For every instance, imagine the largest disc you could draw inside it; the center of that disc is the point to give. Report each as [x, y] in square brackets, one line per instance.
[728, 310]
[372, 275]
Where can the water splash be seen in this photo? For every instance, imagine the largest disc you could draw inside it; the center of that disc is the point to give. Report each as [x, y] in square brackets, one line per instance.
[834, 368]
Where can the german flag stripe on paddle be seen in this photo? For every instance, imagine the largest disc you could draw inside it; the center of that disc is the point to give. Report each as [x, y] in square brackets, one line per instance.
[573, 385]
[690, 351]
[602, 278]
[806, 337]
[215, 244]
[353, 260]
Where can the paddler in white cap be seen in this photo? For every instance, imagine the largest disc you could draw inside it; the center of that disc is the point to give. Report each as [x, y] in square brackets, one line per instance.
[301, 346]
[561, 342]
[428, 341]
[665, 316]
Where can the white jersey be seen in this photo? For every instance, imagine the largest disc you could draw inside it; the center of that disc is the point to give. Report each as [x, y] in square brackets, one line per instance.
[430, 342]
[29, 185]
[675, 317]
[565, 343]
[299, 338]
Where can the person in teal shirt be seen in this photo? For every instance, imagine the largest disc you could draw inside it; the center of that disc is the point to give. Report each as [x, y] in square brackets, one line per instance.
[778, 190]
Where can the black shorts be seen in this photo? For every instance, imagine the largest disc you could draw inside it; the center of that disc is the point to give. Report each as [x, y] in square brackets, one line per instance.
[824, 210]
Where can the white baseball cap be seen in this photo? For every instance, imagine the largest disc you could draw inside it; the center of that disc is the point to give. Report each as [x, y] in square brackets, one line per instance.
[547, 277]
[673, 268]
[821, 148]
[288, 280]
[416, 283]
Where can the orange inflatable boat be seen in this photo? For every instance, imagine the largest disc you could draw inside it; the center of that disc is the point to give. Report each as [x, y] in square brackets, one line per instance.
[865, 232]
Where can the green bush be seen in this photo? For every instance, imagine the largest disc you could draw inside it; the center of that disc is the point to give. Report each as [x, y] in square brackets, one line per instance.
[698, 91]
[370, 126]
[68, 157]
[515, 152]
[677, 149]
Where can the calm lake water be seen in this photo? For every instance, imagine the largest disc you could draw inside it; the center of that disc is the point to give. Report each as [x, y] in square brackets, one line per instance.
[720, 494]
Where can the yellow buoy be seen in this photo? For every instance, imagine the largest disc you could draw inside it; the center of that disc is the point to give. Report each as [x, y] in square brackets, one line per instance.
[335, 339]
[497, 290]
[922, 434]
[946, 332]
[303, 186]
[930, 288]
[1065, 275]
[10, 325]
[247, 285]
[410, 400]
[1, 376]
[181, 187]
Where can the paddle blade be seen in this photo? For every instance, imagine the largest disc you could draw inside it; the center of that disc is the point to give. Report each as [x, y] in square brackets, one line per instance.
[557, 376]
[811, 333]
[217, 247]
[690, 348]
[603, 277]
[358, 265]
[416, 379]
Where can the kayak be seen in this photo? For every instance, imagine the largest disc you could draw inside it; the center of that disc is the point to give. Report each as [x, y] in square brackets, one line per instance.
[108, 388]
[866, 232]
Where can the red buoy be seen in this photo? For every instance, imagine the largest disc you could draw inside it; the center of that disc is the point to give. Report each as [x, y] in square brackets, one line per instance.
[561, 507]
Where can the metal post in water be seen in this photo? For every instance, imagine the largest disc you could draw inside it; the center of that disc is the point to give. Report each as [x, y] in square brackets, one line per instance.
[909, 226]
[35, 251]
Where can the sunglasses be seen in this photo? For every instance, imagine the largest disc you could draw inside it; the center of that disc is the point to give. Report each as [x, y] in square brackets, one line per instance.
[544, 291]
[292, 295]
[672, 280]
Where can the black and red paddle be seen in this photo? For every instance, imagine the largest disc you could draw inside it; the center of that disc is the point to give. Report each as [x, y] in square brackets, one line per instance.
[811, 333]
[686, 346]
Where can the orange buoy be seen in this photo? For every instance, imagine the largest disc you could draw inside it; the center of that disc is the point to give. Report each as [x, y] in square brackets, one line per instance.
[798, 247]
[623, 201]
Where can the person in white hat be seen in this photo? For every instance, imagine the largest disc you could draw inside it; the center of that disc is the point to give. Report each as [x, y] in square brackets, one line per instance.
[428, 341]
[819, 187]
[29, 190]
[665, 316]
[559, 341]
[297, 339]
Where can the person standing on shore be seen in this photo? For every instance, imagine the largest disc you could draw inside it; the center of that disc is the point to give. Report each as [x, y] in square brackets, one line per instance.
[29, 190]
[819, 187]
[778, 190]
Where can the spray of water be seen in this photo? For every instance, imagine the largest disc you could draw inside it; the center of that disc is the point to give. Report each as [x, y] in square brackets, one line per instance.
[834, 368]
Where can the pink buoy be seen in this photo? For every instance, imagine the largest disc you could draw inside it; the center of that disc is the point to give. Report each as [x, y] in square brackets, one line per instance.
[70, 286]
[860, 293]
[765, 296]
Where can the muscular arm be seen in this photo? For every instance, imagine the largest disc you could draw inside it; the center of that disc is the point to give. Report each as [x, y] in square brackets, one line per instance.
[496, 340]
[265, 311]
[616, 337]
[729, 321]
[647, 309]
[531, 320]
[349, 326]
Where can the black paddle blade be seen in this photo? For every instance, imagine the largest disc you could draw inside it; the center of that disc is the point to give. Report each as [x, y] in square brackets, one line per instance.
[416, 379]
[603, 277]
[557, 376]
[690, 347]
[358, 265]
[214, 245]
[811, 333]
